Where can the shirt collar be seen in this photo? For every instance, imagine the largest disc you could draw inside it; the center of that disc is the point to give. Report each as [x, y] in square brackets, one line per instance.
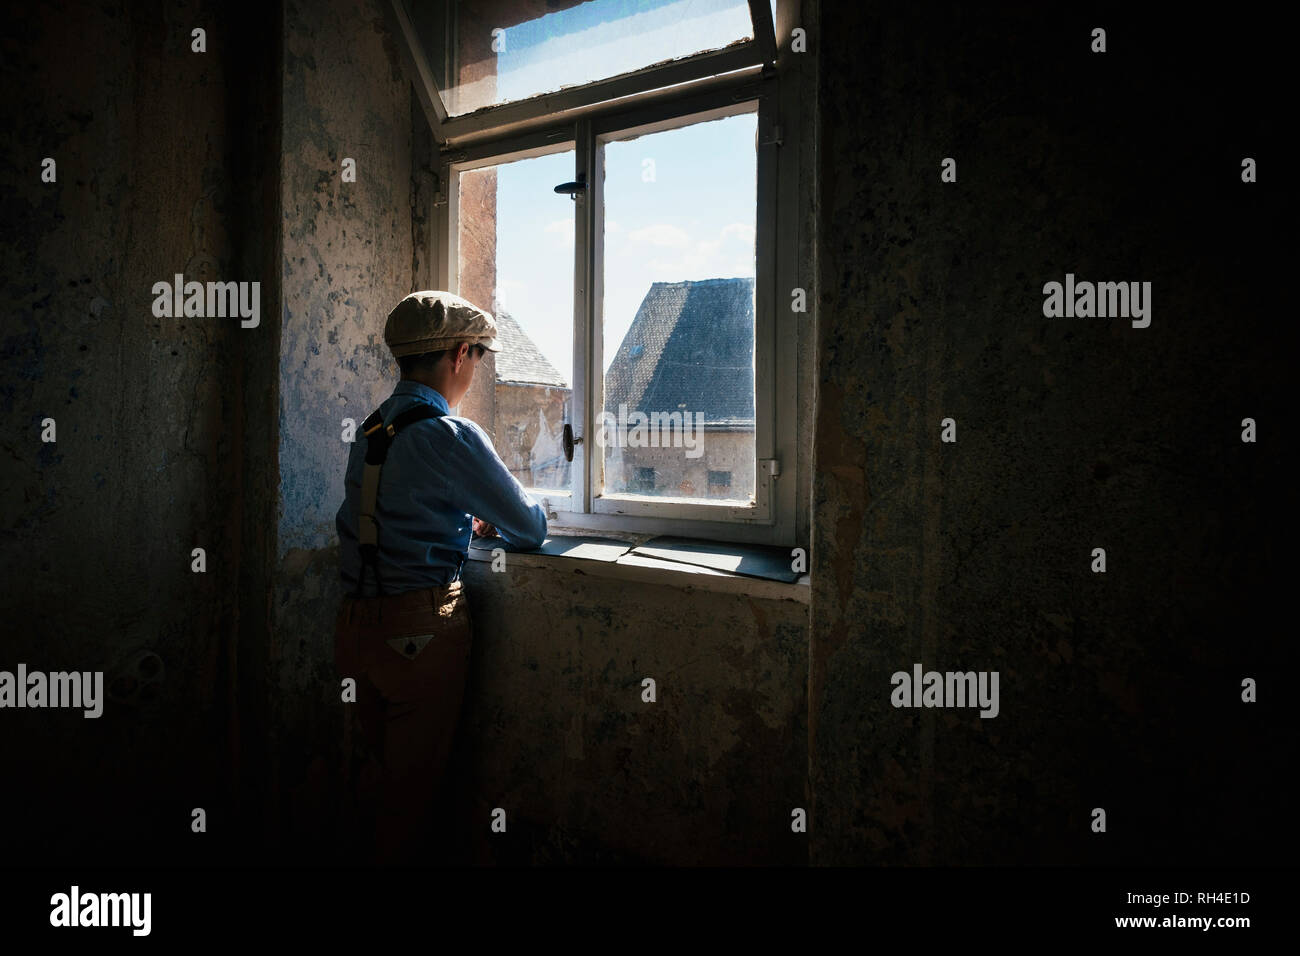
[431, 395]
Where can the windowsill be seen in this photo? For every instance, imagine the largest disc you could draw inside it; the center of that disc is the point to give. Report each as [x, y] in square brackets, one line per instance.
[645, 570]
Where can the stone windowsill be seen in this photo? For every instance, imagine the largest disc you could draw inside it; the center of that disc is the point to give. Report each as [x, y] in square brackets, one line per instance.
[644, 570]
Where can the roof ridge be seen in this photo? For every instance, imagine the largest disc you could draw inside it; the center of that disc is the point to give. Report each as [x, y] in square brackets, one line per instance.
[685, 282]
[520, 360]
[683, 341]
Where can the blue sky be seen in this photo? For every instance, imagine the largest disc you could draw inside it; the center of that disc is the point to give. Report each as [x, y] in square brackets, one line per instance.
[596, 40]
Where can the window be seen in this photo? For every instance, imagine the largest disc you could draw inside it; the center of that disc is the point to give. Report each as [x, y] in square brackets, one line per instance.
[498, 51]
[619, 220]
[678, 306]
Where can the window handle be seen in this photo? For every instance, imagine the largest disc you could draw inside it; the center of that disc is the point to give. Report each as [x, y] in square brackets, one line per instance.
[572, 189]
[569, 441]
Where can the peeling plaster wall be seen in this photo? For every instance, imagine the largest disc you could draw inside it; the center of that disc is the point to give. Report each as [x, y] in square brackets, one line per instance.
[557, 732]
[347, 260]
[1121, 690]
[347, 246]
[151, 457]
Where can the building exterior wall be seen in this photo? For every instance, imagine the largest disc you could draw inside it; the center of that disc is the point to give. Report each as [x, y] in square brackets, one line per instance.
[527, 433]
[676, 474]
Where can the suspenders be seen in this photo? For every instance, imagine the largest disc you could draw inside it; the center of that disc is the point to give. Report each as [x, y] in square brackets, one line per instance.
[379, 437]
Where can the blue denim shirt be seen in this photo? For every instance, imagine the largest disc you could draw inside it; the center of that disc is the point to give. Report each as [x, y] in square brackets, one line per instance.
[438, 473]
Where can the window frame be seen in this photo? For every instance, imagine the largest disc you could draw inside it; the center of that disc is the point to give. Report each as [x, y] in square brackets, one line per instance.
[642, 121]
[513, 115]
[771, 519]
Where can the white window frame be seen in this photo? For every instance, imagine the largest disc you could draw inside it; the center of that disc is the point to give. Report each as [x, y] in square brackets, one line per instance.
[571, 121]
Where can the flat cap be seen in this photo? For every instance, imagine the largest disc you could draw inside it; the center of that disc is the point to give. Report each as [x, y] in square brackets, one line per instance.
[431, 321]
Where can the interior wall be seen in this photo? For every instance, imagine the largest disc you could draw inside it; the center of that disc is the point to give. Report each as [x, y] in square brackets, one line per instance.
[349, 253]
[557, 733]
[149, 457]
[1120, 690]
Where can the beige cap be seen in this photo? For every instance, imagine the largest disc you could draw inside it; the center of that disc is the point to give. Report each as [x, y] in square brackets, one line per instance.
[431, 321]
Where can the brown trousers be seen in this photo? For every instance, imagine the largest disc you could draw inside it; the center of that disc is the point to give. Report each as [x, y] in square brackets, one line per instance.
[408, 705]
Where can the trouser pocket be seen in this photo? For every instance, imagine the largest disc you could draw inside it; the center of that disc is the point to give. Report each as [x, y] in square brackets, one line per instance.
[418, 654]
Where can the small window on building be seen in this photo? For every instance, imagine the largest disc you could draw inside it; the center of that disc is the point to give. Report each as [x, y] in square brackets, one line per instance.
[644, 481]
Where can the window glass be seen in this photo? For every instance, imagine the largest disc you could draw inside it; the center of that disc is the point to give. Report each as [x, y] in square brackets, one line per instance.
[515, 259]
[678, 311]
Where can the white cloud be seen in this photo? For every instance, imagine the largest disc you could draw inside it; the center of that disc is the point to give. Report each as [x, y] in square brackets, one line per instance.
[742, 231]
[661, 234]
[563, 227]
[709, 258]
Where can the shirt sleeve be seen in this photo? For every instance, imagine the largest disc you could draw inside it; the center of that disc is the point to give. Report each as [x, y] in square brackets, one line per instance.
[494, 495]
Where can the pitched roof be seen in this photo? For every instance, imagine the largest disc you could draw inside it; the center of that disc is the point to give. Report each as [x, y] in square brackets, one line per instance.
[690, 347]
[519, 359]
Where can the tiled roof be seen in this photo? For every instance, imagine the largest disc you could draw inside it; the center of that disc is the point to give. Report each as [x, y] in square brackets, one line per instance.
[519, 359]
[690, 348]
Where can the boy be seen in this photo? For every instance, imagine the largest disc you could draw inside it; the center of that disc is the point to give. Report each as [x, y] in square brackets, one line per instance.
[414, 479]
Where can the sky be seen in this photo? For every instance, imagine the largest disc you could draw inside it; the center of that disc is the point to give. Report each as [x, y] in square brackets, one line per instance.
[679, 204]
[596, 40]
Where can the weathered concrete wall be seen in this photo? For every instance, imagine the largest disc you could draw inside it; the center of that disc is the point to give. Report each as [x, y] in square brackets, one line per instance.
[554, 729]
[799, 102]
[1121, 690]
[556, 733]
[347, 245]
[348, 257]
[151, 458]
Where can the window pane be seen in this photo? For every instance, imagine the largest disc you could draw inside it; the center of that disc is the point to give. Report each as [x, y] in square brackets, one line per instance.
[515, 254]
[678, 312]
[487, 52]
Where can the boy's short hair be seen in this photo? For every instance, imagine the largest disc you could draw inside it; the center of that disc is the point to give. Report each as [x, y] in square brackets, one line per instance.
[424, 362]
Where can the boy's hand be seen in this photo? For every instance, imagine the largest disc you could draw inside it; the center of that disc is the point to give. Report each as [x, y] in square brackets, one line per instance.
[483, 530]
